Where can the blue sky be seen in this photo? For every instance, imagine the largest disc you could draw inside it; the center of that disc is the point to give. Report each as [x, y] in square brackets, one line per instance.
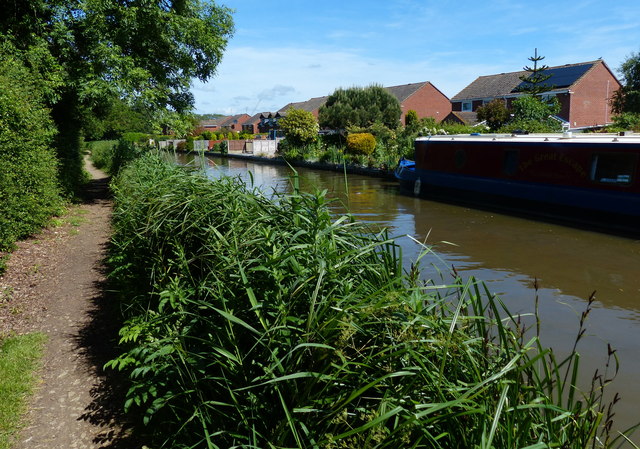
[288, 51]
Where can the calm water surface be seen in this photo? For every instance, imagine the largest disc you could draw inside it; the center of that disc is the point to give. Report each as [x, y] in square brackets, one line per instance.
[509, 254]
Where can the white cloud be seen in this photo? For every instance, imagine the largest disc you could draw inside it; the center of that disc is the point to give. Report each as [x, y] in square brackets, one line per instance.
[298, 74]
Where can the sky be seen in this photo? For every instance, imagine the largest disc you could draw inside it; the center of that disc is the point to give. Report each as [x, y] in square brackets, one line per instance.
[294, 50]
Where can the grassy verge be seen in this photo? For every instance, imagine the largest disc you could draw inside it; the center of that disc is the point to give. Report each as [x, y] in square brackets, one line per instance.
[268, 323]
[19, 359]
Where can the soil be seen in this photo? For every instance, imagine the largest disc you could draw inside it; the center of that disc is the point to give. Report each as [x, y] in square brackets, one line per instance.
[55, 284]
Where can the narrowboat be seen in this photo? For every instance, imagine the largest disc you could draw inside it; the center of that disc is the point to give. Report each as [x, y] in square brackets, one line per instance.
[585, 178]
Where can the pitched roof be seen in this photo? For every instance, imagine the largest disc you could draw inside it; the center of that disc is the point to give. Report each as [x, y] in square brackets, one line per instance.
[253, 120]
[234, 119]
[464, 117]
[212, 122]
[404, 91]
[401, 92]
[310, 105]
[504, 84]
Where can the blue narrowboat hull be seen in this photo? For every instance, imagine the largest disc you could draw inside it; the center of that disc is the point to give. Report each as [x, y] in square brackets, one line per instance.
[604, 207]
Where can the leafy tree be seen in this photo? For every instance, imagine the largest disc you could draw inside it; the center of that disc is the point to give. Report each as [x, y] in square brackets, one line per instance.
[532, 114]
[299, 126]
[115, 118]
[360, 107]
[528, 107]
[495, 113]
[148, 51]
[535, 82]
[626, 121]
[411, 122]
[627, 98]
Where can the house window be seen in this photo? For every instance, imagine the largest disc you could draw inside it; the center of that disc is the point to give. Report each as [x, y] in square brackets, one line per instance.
[613, 168]
[466, 105]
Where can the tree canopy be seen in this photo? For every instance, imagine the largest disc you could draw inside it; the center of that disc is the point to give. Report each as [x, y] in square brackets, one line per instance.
[145, 52]
[360, 107]
[627, 98]
[532, 114]
[535, 82]
[495, 113]
[299, 126]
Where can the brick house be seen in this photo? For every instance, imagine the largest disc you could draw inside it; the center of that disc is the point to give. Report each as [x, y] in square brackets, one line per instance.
[251, 126]
[312, 105]
[584, 91]
[212, 125]
[234, 123]
[424, 98]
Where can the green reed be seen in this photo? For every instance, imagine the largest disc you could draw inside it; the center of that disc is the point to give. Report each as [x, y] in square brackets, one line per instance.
[262, 323]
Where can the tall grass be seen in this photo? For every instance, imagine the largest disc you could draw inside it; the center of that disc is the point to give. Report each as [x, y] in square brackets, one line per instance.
[261, 323]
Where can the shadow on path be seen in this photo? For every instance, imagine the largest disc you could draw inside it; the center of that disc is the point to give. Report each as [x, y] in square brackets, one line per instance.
[97, 342]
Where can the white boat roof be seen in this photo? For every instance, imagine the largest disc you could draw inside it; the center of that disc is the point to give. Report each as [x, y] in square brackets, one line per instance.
[548, 137]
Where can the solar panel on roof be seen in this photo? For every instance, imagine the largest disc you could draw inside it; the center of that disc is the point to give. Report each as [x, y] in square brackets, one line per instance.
[560, 76]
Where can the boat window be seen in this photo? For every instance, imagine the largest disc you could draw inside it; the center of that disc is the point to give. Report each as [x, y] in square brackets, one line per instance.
[510, 165]
[613, 168]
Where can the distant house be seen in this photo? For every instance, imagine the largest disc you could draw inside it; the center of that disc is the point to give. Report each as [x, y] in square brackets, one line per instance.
[424, 98]
[462, 117]
[584, 91]
[251, 126]
[313, 105]
[212, 125]
[234, 123]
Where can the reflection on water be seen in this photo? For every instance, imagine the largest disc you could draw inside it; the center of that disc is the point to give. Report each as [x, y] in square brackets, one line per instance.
[508, 253]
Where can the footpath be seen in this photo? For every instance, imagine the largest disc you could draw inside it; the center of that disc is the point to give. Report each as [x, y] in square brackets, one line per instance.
[55, 284]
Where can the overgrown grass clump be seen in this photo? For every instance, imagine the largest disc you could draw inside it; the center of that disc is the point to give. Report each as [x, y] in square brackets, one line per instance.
[19, 358]
[268, 323]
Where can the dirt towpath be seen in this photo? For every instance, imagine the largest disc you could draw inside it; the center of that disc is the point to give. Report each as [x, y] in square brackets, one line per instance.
[55, 284]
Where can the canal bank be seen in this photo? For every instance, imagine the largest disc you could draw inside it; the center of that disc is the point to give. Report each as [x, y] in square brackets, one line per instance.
[510, 254]
[350, 169]
[311, 317]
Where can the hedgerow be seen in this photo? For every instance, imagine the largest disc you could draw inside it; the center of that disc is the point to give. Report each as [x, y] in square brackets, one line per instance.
[29, 190]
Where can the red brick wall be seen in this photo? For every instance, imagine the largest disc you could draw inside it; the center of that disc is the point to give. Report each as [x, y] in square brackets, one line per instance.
[427, 102]
[590, 101]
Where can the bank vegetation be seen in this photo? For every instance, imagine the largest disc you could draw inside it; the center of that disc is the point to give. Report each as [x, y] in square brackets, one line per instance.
[263, 321]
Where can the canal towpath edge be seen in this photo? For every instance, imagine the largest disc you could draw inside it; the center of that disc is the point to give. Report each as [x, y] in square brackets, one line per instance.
[55, 284]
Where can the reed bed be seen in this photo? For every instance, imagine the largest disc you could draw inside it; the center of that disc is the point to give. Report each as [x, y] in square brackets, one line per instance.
[258, 322]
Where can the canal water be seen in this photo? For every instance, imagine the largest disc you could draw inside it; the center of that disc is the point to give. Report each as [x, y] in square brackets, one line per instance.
[509, 254]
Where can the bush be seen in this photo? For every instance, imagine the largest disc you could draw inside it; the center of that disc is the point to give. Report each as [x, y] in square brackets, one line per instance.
[299, 127]
[627, 121]
[141, 138]
[361, 143]
[29, 190]
[495, 113]
[188, 144]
